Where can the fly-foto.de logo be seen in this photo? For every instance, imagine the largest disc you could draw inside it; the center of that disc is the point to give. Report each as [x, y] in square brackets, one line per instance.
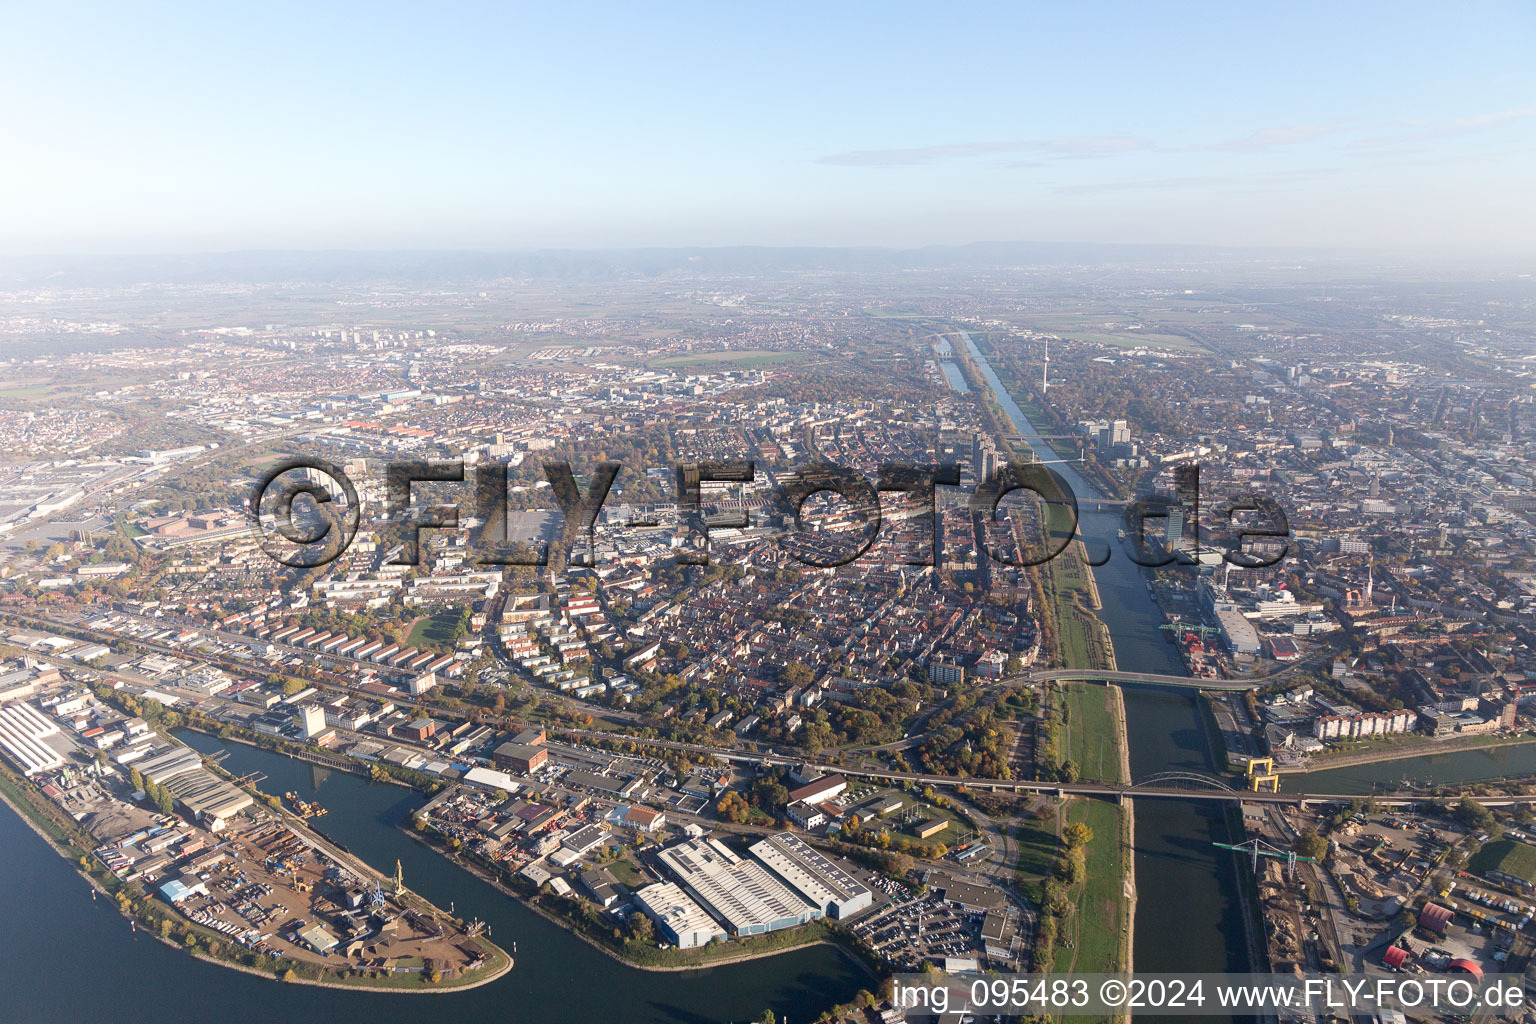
[307, 512]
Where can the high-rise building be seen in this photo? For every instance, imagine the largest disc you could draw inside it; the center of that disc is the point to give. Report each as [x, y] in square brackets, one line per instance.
[986, 460]
[1173, 528]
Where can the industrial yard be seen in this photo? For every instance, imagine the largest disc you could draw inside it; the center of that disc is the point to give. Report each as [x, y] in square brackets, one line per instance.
[245, 881]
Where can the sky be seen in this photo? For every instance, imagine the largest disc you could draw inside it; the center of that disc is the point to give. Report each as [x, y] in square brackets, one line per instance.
[163, 128]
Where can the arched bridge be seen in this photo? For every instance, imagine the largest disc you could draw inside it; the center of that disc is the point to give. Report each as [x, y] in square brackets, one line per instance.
[1182, 780]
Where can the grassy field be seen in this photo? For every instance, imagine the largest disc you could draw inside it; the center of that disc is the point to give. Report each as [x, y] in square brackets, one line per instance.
[1095, 929]
[1037, 855]
[915, 814]
[1093, 739]
[28, 391]
[626, 872]
[1504, 855]
[1077, 626]
[1101, 903]
[436, 630]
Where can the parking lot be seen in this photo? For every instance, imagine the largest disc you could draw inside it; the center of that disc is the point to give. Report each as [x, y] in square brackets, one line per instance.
[912, 929]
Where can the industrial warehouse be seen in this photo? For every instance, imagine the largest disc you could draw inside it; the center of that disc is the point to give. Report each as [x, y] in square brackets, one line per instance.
[823, 884]
[680, 919]
[208, 798]
[23, 730]
[741, 893]
[788, 884]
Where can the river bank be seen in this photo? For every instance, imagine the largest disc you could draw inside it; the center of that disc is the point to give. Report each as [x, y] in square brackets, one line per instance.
[1128, 949]
[1413, 752]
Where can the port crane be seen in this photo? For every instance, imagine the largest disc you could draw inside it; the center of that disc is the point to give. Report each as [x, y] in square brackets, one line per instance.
[1188, 627]
[1257, 848]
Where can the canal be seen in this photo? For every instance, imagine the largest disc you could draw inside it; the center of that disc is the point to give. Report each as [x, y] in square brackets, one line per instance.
[79, 961]
[951, 370]
[1185, 886]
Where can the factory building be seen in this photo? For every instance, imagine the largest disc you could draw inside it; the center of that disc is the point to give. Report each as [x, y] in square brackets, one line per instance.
[206, 797]
[816, 790]
[815, 877]
[521, 757]
[742, 894]
[1237, 632]
[22, 731]
[680, 919]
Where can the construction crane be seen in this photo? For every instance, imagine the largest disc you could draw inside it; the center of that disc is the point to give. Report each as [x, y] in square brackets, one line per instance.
[1257, 848]
[1187, 627]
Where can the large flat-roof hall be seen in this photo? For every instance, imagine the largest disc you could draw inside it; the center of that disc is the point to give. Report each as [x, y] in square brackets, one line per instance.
[741, 893]
[813, 875]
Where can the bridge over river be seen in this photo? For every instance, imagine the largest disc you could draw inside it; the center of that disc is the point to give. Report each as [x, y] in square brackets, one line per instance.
[1175, 785]
[1101, 675]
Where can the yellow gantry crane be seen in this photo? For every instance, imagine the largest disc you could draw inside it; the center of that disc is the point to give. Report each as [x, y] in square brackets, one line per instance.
[1261, 775]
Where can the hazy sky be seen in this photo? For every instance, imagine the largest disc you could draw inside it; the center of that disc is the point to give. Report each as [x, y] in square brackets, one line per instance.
[156, 127]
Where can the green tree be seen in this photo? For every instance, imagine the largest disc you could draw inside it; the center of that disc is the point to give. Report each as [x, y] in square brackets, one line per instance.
[796, 674]
[1475, 814]
[1309, 844]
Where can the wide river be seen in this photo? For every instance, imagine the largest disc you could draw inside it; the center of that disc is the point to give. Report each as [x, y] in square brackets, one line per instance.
[69, 958]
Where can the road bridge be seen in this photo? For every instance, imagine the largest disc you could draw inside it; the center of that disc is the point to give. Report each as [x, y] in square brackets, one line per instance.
[1102, 675]
[1165, 785]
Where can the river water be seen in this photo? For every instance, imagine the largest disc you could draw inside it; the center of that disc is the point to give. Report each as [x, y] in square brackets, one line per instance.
[1418, 772]
[69, 958]
[1186, 888]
